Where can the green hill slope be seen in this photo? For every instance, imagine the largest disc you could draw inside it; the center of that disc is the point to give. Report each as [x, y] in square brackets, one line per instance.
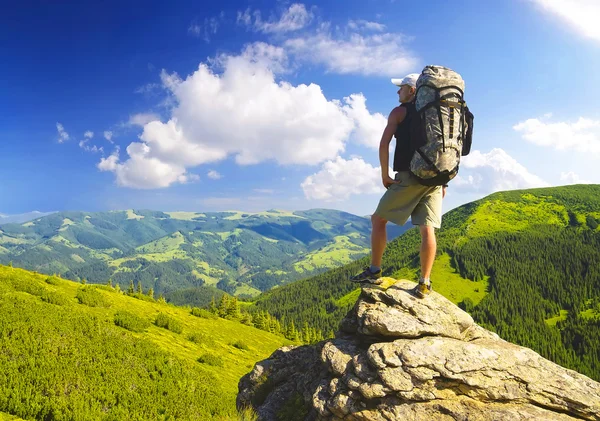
[523, 263]
[71, 351]
[240, 253]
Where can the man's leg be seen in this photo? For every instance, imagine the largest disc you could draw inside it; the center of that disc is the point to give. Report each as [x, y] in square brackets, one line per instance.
[428, 249]
[378, 239]
[372, 274]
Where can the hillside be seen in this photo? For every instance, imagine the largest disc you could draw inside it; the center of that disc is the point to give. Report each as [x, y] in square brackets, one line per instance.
[72, 351]
[523, 263]
[240, 253]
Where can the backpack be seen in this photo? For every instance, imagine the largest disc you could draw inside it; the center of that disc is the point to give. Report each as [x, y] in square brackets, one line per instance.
[441, 130]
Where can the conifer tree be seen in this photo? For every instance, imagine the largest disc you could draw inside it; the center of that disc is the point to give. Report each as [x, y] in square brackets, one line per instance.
[131, 288]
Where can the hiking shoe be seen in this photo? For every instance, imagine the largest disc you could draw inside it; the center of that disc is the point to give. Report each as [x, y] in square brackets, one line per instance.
[368, 277]
[422, 290]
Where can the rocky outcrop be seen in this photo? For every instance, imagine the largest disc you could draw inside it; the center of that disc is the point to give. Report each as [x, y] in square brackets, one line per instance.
[397, 357]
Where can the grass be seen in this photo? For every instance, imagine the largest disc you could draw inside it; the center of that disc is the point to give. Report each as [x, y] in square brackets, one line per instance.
[185, 216]
[132, 215]
[213, 335]
[515, 216]
[448, 282]
[340, 252]
[554, 320]
[7, 417]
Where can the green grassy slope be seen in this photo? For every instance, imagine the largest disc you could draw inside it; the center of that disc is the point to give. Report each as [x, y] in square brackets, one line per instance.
[63, 357]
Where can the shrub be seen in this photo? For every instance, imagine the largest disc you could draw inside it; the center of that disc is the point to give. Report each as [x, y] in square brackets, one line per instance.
[202, 313]
[91, 297]
[167, 322]
[130, 321]
[53, 280]
[210, 359]
[200, 338]
[55, 298]
[240, 345]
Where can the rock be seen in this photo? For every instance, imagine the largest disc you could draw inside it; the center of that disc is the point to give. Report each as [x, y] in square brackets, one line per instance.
[398, 357]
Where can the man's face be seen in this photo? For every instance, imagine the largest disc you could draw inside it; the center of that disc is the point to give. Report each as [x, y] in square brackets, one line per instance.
[405, 93]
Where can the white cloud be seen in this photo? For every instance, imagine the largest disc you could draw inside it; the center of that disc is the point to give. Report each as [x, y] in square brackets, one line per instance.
[572, 178]
[294, 18]
[195, 29]
[276, 120]
[88, 134]
[364, 24]
[493, 171]
[108, 135]
[582, 15]
[62, 134]
[141, 119]
[214, 175]
[207, 29]
[339, 179]
[382, 54]
[582, 136]
[264, 191]
[83, 144]
[110, 163]
[368, 127]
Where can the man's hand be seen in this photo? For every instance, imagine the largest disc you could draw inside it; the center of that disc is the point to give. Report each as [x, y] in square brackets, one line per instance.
[387, 181]
[444, 191]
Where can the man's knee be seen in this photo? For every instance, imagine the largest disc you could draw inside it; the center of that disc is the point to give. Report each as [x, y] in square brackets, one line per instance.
[427, 233]
[378, 221]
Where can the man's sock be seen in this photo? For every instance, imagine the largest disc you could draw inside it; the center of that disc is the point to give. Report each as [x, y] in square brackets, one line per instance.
[425, 281]
[374, 269]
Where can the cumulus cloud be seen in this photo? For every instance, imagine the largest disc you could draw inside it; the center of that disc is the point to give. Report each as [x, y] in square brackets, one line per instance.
[383, 54]
[108, 135]
[494, 171]
[246, 112]
[582, 135]
[338, 179]
[62, 134]
[141, 119]
[88, 134]
[368, 127]
[582, 15]
[292, 19]
[572, 178]
[214, 175]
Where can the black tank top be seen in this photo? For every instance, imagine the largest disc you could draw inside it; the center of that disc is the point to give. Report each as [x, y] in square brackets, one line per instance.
[404, 152]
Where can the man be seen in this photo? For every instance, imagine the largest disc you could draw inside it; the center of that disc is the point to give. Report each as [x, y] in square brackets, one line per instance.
[404, 197]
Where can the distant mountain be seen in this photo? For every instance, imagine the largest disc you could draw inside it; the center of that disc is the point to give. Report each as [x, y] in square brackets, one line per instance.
[240, 253]
[22, 217]
[524, 263]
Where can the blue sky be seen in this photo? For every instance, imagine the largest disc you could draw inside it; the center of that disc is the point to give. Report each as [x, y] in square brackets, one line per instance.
[268, 104]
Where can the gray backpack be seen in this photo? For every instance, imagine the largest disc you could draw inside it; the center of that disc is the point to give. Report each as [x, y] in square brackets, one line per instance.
[442, 128]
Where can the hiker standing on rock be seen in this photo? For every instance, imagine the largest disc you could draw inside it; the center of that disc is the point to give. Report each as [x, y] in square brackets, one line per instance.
[405, 196]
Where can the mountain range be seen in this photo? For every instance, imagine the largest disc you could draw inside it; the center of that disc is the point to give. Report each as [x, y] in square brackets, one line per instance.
[240, 253]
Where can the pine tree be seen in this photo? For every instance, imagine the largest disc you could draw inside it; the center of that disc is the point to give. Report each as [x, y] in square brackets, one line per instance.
[139, 288]
[233, 309]
[212, 307]
[223, 305]
[131, 288]
[151, 292]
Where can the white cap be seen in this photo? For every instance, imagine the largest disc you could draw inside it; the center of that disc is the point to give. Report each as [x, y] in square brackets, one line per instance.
[410, 80]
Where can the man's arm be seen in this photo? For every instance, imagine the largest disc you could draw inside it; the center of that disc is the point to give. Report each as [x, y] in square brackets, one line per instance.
[396, 117]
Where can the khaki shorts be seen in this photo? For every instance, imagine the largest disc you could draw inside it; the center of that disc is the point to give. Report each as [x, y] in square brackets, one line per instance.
[409, 198]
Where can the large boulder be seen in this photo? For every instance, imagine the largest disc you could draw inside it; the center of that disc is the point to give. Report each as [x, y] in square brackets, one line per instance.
[398, 357]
